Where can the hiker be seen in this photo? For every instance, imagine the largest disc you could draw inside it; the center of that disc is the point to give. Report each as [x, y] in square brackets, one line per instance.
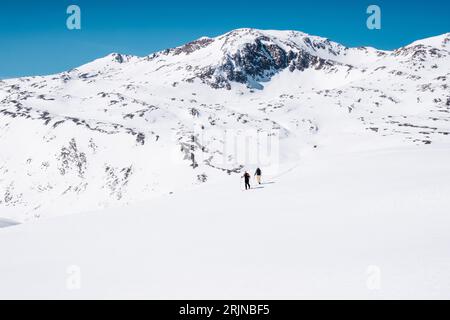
[246, 177]
[258, 175]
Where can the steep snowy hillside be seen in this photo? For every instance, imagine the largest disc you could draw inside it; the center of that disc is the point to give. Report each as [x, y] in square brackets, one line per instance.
[123, 129]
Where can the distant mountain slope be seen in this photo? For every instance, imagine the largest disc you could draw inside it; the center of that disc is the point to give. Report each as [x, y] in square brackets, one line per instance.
[122, 129]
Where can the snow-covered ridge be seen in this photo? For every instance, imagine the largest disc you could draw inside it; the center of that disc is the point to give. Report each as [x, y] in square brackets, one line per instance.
[253, 56]
[439, 42]
[123, 129]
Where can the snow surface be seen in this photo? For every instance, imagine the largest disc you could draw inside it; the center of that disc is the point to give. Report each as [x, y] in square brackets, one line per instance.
[121, 167]
[311, 232]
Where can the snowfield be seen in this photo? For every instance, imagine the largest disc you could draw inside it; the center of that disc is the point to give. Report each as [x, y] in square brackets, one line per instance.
[316, 231]
[125, 173]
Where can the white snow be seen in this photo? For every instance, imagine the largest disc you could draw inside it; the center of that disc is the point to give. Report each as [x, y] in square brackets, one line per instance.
[96, 166]
[441, 41]
[311, 232]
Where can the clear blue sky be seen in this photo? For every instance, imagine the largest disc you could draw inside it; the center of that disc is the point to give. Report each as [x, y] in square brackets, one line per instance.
[34, 38]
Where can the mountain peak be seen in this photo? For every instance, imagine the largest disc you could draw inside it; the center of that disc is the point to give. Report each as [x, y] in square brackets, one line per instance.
[252, 56]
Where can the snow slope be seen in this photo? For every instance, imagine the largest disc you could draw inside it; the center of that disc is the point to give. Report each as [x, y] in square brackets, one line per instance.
[145, 150]
[316, 231]
[124, 129]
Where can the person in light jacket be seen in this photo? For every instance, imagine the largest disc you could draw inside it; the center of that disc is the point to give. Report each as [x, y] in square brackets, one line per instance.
[258, 175]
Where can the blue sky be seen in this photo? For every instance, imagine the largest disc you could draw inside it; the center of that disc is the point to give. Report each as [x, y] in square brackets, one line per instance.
[34, 39]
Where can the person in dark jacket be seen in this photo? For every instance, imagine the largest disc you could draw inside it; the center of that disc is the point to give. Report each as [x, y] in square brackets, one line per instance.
[258, 175]
[246, 177]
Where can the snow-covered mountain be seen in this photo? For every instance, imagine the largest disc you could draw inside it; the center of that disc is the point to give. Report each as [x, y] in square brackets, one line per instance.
[123, 129]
